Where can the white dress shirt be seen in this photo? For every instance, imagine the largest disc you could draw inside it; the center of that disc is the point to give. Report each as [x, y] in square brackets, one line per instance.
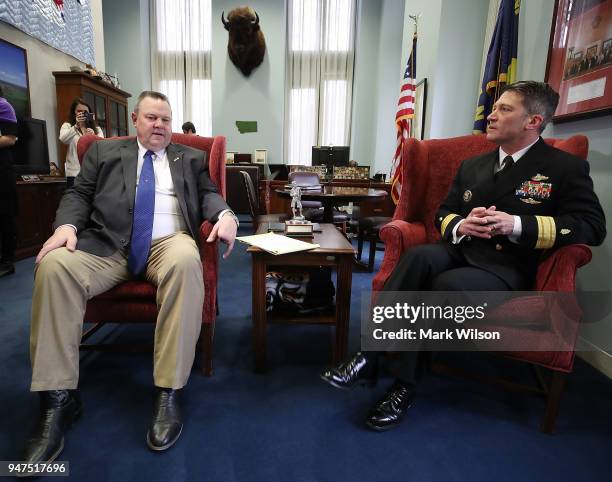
[167, 218]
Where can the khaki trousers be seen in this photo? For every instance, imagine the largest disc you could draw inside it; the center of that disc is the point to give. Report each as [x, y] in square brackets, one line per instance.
[65, 280]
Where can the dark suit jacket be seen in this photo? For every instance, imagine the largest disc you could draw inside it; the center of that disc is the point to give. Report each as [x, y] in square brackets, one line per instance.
[549, 189]
[101, 203]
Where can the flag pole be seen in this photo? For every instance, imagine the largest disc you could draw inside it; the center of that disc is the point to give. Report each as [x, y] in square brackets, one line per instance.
[404, 114]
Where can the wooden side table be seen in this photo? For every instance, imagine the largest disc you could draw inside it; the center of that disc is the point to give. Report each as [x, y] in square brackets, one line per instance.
[334, 251]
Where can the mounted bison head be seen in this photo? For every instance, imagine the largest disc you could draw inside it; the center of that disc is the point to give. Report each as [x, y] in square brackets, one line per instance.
[246, 45]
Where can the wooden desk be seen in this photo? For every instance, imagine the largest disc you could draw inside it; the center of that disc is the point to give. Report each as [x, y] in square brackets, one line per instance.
[37, 201]
[275, 203]
[331, 195]
[334, 251]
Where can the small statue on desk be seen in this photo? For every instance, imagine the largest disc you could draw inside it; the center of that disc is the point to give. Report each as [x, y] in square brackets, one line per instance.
[296, 203]
[297, 226]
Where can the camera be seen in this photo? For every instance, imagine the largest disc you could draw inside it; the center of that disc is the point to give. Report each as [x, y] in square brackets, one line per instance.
[89, 117]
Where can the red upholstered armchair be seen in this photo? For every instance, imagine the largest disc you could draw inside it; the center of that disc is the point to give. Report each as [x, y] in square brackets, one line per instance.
[134, 301]
[428, 176]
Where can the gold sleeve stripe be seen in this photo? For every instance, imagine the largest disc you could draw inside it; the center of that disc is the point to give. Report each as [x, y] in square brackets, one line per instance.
[547, 232]
[446, 221]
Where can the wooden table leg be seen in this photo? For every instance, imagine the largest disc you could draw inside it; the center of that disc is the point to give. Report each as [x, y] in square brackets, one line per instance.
[259, 311]
[343, 305]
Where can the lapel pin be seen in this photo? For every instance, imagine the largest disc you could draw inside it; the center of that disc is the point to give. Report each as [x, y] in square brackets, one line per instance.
[175, 159]
[467, 196]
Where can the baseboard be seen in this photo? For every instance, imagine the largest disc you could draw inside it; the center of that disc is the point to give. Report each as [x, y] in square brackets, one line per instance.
[594, 356]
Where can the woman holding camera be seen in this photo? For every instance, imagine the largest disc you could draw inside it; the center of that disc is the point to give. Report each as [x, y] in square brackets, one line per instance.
[81, 121]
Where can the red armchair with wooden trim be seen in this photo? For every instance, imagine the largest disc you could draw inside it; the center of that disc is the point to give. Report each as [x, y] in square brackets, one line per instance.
[134, 301]
[428, 176]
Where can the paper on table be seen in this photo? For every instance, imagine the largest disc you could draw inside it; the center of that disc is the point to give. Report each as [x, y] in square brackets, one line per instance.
[276, 243]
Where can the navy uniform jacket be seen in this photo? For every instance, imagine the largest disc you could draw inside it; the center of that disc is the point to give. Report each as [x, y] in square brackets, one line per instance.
[549, 189]
[101, 203]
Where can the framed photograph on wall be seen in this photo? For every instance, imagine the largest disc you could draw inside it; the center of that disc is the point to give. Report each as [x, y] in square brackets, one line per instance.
[420, 100]
[14, 77]
[579, 63]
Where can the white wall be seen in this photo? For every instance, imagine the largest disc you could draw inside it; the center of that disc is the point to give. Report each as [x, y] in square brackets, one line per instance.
[259, 97]
[126, 39]
[364, 111]
[42, 60]
[449, 54]
[389, 70]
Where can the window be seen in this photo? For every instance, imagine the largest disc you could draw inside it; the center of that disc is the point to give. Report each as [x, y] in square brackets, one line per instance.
[181, 39]
[320, 56]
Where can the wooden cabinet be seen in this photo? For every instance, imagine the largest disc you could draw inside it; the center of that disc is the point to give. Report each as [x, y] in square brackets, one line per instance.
[38, 202]
[109, 104]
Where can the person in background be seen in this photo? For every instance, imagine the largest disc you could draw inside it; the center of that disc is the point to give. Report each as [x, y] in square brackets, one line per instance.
[81, 121]
[188, 128]
[8, 190]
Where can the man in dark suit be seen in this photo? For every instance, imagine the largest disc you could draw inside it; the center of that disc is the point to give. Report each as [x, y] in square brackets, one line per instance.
[134, 211]
[503, 209]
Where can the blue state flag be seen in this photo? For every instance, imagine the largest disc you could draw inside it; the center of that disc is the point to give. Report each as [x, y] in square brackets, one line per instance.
[500, 68]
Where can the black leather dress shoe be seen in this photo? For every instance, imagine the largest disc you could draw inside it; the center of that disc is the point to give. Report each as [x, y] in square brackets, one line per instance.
[389, 411]
[356, 370]
[167, 422]
[58, 410]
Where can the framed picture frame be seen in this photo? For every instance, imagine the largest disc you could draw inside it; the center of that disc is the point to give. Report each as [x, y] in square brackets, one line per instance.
[420, 102]
[14, 77]
[579, 65]
[261, 156]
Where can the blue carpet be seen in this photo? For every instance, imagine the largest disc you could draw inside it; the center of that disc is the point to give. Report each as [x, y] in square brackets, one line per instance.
[286, 425]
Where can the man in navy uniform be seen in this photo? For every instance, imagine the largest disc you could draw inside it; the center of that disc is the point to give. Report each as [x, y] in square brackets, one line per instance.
[503, 209]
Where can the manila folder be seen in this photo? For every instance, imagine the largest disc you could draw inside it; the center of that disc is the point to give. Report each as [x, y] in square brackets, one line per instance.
[277, 243]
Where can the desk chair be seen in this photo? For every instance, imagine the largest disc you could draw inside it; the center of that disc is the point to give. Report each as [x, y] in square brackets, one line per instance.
[253, 200]
[134, 301]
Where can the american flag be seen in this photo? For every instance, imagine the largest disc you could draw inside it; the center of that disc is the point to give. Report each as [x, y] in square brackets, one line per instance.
[403, 118]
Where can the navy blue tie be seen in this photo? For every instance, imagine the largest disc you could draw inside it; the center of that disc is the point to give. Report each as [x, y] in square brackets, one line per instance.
[142, 227]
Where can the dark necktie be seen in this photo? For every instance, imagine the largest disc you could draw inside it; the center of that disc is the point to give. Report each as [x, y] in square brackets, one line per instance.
[507, 164]
[142, 227]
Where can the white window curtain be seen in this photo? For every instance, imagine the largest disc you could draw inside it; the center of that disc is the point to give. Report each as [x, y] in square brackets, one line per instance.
[181, 42]
[319, 79]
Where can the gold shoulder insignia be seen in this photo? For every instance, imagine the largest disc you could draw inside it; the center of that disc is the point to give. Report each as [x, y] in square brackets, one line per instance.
[539, 177]
[530, 201]
[565, 231]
